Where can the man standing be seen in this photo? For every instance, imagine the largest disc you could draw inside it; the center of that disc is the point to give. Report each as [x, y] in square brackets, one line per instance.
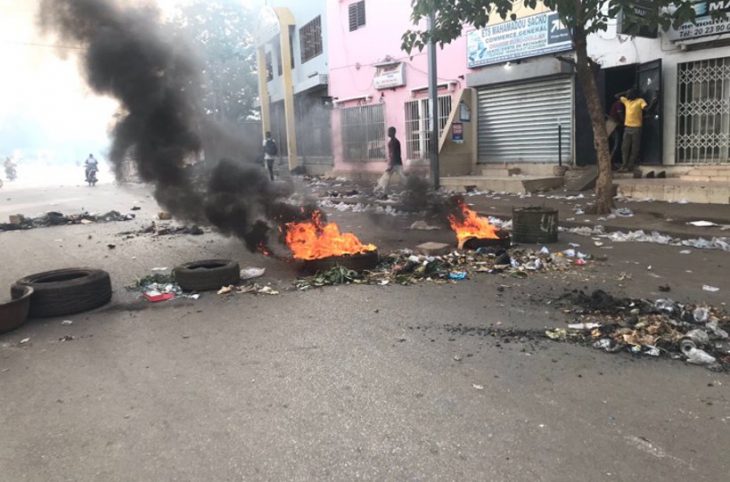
[270, 152]
[395, 162]
[92, 166]
[634, 121]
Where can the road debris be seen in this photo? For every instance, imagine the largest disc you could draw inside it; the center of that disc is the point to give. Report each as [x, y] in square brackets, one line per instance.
[423, 226]
[165, 230]
[53, 218]
[24, 341]
[711, 289]
[252, 273]
[67, 322]
[404, 267]
[663, 327]
[720, 243]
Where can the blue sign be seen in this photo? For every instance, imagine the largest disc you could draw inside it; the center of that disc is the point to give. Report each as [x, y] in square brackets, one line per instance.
[525, 37]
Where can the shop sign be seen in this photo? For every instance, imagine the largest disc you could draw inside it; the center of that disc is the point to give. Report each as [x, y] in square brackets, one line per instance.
[524, 37]
[705, 25]
[390, 76]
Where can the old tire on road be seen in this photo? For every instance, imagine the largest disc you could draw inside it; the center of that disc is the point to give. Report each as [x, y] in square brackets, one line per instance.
[65, 291]
[207, 275]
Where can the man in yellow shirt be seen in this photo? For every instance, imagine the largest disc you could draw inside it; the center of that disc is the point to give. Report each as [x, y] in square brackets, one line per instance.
[634, 121]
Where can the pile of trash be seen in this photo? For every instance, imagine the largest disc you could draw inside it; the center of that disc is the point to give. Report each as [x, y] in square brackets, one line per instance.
[159, 287]
[53, 218]
[404, 267]
[660, 328]
[721, 243]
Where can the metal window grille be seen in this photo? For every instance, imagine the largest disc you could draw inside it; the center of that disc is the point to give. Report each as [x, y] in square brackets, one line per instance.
[356, 12]
[310, 39]
[703, 111]
[418, 125]
[363, 133]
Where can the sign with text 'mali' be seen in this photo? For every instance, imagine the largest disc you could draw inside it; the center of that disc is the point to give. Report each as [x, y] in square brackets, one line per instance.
[525, 37]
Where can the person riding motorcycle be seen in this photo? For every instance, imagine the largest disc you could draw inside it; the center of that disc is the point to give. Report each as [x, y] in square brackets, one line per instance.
[92, 166]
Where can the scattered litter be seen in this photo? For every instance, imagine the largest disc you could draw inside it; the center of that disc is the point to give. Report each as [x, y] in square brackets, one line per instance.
[54, 218]
[696, 356]
[24, 341]
[685, 251]
[160, 269]
[458, 275]
[157, 297]
[584, 326]
[257, 289]
[164, 216]
[660, 328]
[423, 226]
[67, 322]
[665, 288]
[225, 290]
[624, 213]
[711, 289]
[252, 273]
[703, 224]
[477, 387]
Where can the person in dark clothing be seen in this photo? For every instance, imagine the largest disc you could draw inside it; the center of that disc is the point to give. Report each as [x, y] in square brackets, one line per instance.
[615, 127]
[395, 162]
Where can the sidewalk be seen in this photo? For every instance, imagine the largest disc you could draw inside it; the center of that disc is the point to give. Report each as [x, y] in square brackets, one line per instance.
[666, 218]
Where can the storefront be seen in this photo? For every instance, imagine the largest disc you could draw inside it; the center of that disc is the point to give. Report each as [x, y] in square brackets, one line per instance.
[525, 95]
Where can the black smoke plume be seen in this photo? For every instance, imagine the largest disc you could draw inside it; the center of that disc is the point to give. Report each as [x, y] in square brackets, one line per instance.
[128, 55]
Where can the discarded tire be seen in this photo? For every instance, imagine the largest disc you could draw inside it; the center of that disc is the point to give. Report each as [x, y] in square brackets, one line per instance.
[356, 262]
[65, 291]
[15, 312]
[207, 275]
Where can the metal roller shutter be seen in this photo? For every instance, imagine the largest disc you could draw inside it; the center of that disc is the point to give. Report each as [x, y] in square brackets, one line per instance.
[519, 122]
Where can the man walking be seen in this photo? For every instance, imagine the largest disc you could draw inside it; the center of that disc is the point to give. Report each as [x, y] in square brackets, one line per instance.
[270, 152]
[395, 162]
[634, 121]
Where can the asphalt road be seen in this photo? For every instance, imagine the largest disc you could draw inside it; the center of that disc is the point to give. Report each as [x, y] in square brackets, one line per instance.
[353, 382]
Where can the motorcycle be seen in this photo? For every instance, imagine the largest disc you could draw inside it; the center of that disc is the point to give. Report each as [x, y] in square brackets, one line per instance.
[91, 176]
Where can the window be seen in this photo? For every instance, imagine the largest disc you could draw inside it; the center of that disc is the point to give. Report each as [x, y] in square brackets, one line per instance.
[703, 111]
[310, 39]
[363, 133]
[357, 15]
[276, 48]
[418, 125]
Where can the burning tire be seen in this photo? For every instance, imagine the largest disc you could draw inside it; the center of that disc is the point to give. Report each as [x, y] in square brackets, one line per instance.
[355, 262]
[207, 275]
[65, 291]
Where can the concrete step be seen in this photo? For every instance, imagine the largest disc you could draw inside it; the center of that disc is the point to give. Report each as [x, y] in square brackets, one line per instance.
[519, 168]
[511, 184]
[674, 190]
[705, 178]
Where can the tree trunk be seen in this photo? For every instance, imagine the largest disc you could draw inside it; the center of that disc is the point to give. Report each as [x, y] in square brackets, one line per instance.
[604, 185]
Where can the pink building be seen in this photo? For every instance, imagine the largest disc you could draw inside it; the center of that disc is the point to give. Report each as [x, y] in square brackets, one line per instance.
[374, 85]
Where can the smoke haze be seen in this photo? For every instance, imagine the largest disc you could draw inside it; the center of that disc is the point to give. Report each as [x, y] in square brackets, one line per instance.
[129, 56]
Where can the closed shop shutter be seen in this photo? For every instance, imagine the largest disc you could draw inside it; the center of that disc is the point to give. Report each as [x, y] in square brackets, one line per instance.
[519, 122]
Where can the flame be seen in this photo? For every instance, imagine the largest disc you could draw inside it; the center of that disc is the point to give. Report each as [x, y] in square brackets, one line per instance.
[315, 240]
[471, 225]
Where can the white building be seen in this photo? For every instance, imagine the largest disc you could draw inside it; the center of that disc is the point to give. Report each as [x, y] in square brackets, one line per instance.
[304, 80]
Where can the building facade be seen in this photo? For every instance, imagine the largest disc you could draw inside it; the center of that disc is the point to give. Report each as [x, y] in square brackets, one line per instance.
[374, 85]
[293, 81]
[506, 97]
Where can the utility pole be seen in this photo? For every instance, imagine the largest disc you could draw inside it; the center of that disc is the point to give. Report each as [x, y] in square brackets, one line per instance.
[434, 96]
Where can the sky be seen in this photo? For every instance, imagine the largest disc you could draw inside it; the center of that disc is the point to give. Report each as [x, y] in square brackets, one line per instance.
[49, 120]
